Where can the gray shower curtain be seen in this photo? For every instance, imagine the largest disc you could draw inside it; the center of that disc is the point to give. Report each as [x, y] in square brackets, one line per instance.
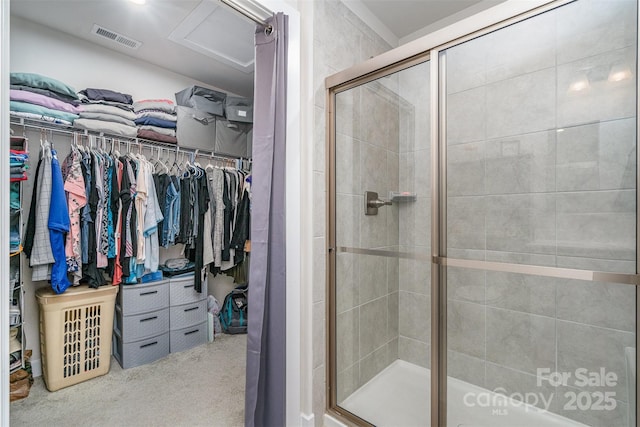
[265, 393]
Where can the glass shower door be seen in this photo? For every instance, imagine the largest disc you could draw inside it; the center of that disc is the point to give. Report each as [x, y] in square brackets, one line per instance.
[381, 283]
[541, 169]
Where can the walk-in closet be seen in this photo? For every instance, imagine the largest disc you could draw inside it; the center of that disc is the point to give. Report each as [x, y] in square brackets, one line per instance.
[131, 176]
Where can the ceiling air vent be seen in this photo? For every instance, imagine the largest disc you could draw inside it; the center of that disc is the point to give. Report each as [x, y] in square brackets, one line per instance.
[115, 37]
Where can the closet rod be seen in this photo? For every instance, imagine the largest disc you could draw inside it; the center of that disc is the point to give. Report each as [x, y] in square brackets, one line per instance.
[249, 14]
[41, 125]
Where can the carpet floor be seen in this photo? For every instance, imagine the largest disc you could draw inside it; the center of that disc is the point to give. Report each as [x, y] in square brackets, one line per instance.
[197, 387]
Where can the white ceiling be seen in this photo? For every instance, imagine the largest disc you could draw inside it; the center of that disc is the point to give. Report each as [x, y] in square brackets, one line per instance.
[206, 40]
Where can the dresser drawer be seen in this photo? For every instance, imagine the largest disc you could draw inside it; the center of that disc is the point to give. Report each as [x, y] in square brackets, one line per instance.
[186, 338]
[143, 297]
[186, 315]
[183, 291]
[140, 326]
[140, 352]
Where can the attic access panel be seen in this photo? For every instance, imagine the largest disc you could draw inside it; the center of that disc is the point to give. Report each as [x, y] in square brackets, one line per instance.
[219, 33]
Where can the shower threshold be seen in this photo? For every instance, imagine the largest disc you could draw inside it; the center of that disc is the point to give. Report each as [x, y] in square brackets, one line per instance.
[399, 397]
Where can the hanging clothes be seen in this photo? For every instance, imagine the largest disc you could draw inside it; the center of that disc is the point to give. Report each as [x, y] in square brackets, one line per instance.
[76, 200]
[58, 227]
[41, 254]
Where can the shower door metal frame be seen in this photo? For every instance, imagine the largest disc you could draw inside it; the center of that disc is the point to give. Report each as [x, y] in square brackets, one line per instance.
[431, 48]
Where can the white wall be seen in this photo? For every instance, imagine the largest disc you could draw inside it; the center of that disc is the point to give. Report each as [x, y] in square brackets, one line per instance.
[81, 64]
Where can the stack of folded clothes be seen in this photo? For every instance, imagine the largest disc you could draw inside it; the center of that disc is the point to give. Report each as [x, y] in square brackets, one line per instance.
[18, 163]
[156, 119]
[34, 96]
[107, 111]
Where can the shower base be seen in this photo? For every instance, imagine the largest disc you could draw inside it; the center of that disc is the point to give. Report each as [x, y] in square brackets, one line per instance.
[399, 397]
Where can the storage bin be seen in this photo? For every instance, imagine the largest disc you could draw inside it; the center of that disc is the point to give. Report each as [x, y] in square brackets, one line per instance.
[239, 109]
[183, 291]
[203, 99]
[139, 326]
[75, 334]
[140, 352]
[195, 129]
[232, 138]
[183, 316]
[186, 338]
[143, 297]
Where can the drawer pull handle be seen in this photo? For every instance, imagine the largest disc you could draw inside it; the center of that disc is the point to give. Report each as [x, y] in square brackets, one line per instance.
[148, 293]
[190, 286]
[191, 332]
[191, 309]
[149, 345]
[148, 318]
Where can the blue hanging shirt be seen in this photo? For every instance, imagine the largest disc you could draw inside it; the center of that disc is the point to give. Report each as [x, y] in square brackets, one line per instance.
[58, 227]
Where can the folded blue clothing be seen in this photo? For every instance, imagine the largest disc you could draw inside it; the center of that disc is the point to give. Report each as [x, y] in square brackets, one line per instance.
[154, 121]
[151, 277]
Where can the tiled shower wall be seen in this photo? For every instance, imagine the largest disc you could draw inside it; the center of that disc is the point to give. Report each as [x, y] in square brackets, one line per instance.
[414, 312]
[341, 40]
[541, 170]
[367, 286]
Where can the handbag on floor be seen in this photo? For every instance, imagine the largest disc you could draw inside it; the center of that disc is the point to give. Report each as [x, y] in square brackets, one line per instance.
[233, 315]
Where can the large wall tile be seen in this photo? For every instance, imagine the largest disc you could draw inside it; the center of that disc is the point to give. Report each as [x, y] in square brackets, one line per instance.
[521, 258]
[602, 99]
[347, 281]
[374, 170]
[464, 284]
[393, 273]
[588, 28]
[375, 114]
[347, 165]
[348, 113]
[466, 65]
[466, 328]
[512, 110]
[522, 292]
[466, 169]
[520, 341]
[347, 336]
[373, 325]
[373, 364]
[591, 348]
[518, 384]
[466, 368]
[412, 351]
[319, 400]
[415, 275]
[373, 228]
[521, 164]
[607, 305]
[526, 47]
[600, 156]
[466, 222]
[521, 223]
[597, 224]
[348, 212]
[466, 116]
[393, 314]
[347, 382]
[415, 316]
[373, 277]
[610, 265]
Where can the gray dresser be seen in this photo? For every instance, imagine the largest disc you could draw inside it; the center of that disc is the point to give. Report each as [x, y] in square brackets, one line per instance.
[156, 318]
